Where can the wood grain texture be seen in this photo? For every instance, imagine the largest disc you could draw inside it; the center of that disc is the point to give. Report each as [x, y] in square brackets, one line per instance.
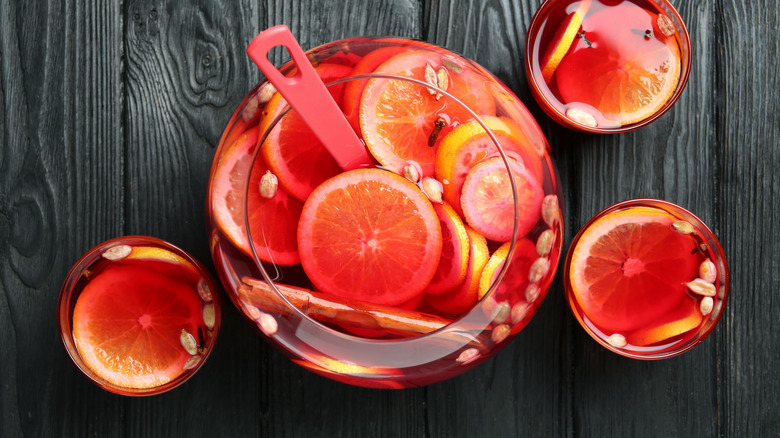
[109, 115]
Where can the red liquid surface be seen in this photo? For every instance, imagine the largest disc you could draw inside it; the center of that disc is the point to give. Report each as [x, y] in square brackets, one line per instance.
[627, 280]
[372, 311]
[606, 64]
[127, 310]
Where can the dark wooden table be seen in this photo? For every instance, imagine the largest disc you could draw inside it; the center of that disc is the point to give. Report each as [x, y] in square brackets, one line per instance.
[109, 115]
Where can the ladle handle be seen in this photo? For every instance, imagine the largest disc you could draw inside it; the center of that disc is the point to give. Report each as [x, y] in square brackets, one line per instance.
[309, 97]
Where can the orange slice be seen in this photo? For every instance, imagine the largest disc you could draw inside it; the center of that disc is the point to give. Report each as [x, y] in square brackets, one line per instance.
[292, 151]
[515, 280]
[468, 144]
[127, 323]
[563, 39]
[623, 75]
[226, 190]
[369, 235]
[628, 268]
[454, 252]
[397, 117]
[681, 321]
[163, 261]
[489, 205]
[467, 294]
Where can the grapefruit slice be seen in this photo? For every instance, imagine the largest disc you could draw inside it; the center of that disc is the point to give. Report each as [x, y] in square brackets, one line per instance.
[397, 118]
[489, 205]
[454, 252]
[369, 235]
[623, 75]
[292, 151]
[468, 144]
[515, 280]
[127, 323]
[563, 39]
[467, 294]
[628, 268]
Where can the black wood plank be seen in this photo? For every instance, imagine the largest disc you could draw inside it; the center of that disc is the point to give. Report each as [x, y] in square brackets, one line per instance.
[747, 130]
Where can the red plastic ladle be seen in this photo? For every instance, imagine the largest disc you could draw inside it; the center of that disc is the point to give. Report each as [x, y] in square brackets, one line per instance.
[309, 97]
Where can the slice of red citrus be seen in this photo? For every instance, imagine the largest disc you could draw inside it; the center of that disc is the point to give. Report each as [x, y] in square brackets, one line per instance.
[563, 39]
[489, 205]
[680, 321]
[369, 235]
[397, 117]
[466, 295]
[354, 89]
[292, 151]
[454, 252]
[164, 261]
[273, 222]
[628, 268]
[515, 280]
[127, 323]
[468, 144]
[226, 189]
[622, 74]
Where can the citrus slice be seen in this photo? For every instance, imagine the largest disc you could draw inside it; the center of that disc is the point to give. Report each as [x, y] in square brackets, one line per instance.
[466, 295]
[127, 323]
[468, 144]
[354, 89]
[163, 261]
[515, 280]
[226, 190]
[454, 252]
[397, 118]
[563, 39]
[292, 151]
[273, 222]
[625, 76]
[684, 319]
[628, 268]
[369, 235]
[489, 205]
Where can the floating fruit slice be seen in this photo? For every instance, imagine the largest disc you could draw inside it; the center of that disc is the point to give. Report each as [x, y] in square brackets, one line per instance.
[686, 318]
[468, 144]
[563, 39]
[354, 89]
[272, 221]
[624, 75]
[163, 261]
[369, 235]
[515, 281]
[467, 294]
[227, 188]
[628, 268]
[489, 205]
[127, 323]
[292, 151]
[454, 252]
[397, 118]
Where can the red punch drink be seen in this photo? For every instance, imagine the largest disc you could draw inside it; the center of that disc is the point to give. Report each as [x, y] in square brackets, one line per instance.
[138, 316]
[647, 279]
[604, 65]
[413, 268]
